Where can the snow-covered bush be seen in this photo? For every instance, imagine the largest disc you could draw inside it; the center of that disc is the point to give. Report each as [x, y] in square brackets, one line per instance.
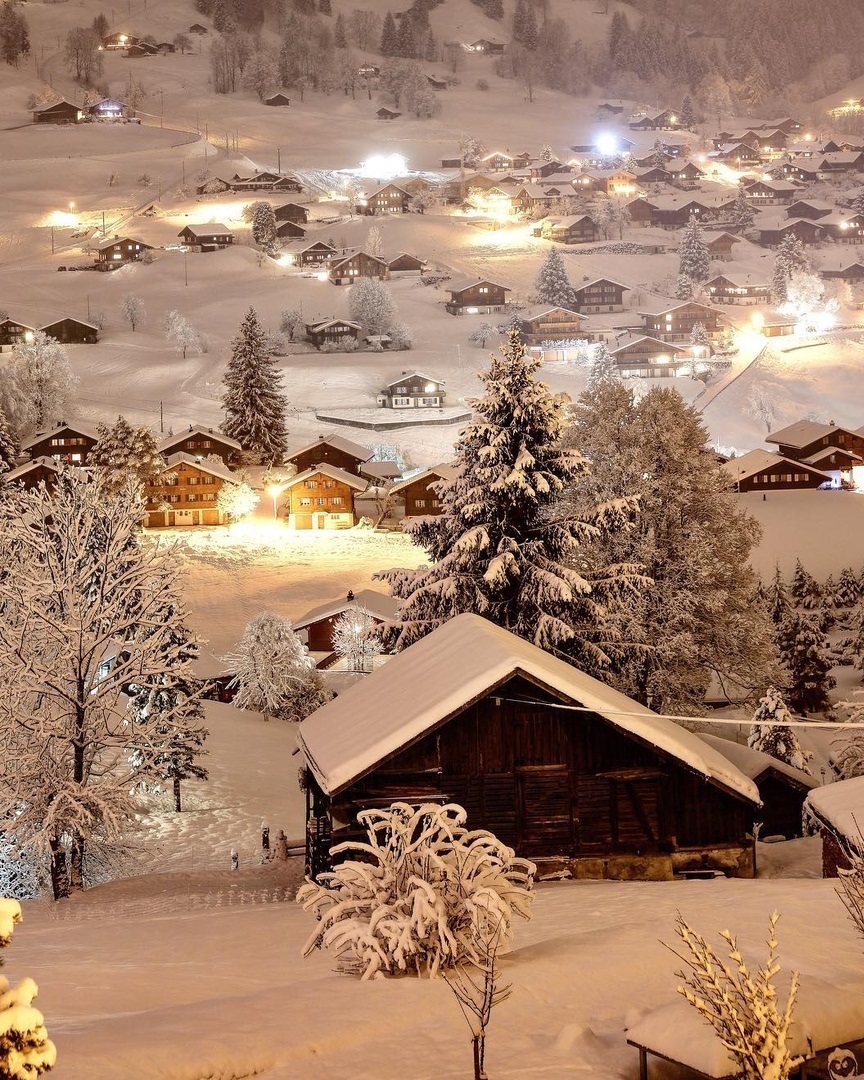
[356, 639]
[419, 894]
[342, 344]
[742, 1006]
[25, 1049]
[770, 736]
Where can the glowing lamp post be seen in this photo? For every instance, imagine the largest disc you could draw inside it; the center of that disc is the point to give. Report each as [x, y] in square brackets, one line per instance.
[274, 491]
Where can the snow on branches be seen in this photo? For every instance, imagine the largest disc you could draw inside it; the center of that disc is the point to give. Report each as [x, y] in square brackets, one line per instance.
[768, 734]
[356, 639]
[419, 895]
[742, 1007]
[25, 1049]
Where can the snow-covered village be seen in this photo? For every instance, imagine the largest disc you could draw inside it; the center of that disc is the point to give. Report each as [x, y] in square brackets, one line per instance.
[431, 559]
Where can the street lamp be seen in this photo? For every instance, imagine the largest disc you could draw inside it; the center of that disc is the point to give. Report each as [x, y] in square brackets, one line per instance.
[274, 491]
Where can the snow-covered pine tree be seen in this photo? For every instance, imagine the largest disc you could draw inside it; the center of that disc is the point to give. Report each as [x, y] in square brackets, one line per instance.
[699, 339]
[40, 384]
[8, 445]
[688, 113]
[356, 639]
[264, 225]
[254, 402]
[858, 202]
[802, 648]
[742, 213]
[829, 590]
[847, 745]
[812, 596]
[658, 156]
[779, 602]
[553, 285]
[371, 304]
[801, 582]
[125, 455]
[698, 617]
[855, 644]
[171, 701]
[603, 368]
[273, 671]
[848, 591]
[683, 288]
[26, 1052]
[694, 260]
[780, 742]
[495, 549]
[790, 258]
[78, 595]
[389, 36]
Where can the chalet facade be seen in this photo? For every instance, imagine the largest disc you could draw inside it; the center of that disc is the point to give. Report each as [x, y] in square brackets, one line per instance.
[315, 628]
[742, 289]
[667, 120]
[207, 237]
[853, 274]
[807, 437]
[331, 450]
[389, 199]
[676, 323]
[649, 358]
[322, 497]
[477, 298]
[13, 333]
[769, 192]
[720, 246]
[40, 470]
[544, 323]
[120, 250]
[71, 331]
[600, 295]
[413, 390]
[575, 229]
[303, 253]
[185, 493]
[71, 443]
[290, 230]
[808, 232]
[402, 264]
[641, 212]
[420, 494]
[59, 112]
[201, 442]
[277, 100]
[332, 331]
[292, 212]
[760, 470]
[346, 269]
[474, 715]
[387, 114]
[107, 109]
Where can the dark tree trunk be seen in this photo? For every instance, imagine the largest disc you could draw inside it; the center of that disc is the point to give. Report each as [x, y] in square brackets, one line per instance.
[59, 871]
[76, 862]
[177, 806]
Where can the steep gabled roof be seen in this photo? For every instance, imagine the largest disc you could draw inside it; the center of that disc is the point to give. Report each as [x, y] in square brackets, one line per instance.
[215, 468]
[597, 281]
[756, 461]
[328, 470]
[756, 763]
[379, 605]
[443, 673]
[667, 346]
[440, 472]
[198, 429]
[840, 808]
[414, 375]
[46, 433]
[803, 432]
[338, 442]
[462, 286]
[206, 230]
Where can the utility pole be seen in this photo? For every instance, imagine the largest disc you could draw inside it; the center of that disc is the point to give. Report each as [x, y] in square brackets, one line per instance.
[161, 420]
[103, 222]
[279, 159]
[161, 106]
[52, 239]
[88, 305]
[185, 269]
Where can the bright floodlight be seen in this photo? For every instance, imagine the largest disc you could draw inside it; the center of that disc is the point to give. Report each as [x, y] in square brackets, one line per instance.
[384, 166]
[607, 145]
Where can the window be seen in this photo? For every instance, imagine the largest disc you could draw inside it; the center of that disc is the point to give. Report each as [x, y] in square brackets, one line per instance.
[209, 496]
[400, 401]
[192, 497]
[430, 400]
[483, 289]
[193, 480]
[208, 480]
[336, 500]
[320, 501]
[311, 483]
[305, 502]
[420, 502]
[329, 483]
[435, 503]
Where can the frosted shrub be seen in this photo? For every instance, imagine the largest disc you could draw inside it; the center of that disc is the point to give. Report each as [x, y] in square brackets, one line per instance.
[742, 1007]
[25, 1049]
[419, 895]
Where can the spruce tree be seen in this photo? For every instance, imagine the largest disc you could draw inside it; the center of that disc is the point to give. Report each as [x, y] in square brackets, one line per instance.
[495, 549]
[767, 735]
[603, 368]
[789, 259]
[389, 38]
[694, 260]
[406, 45]
[858, 202]
[848, 590]
[525, 24]
[553, 285]
[812, 597]
[325, 7]
[124, 453]
[8, 444]
[742, 213]
[801, 581]
[699, 338]
[778, 602]
[688, 113]
[494, 9]
[340, 39]
[658, 156]
[254, 402]
[802, 646]
[264, 225]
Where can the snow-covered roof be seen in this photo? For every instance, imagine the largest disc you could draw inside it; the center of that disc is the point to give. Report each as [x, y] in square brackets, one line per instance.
[755, 461]
[104, 244]
[753, 763]
[831, 451]
[414, 375]
[803, 432]
[215, 468]
[215, 228]
[28, 466]
[78, 429]
[597, 281]
[840, 807]
[380, 470]
[440, 675]
[338, 442]
[531, 313]
[328, 470]
[667, 346]
[340, 259]
[462, 286]
[322, 324]
[379, 605]
[677, 307]
[440, 472]
[198, 429]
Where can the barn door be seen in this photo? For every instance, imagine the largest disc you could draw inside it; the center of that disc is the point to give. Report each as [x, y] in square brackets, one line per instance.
[545, 810]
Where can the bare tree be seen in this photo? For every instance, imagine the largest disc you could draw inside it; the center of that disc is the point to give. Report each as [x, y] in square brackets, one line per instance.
[83, 55]
[133, 310]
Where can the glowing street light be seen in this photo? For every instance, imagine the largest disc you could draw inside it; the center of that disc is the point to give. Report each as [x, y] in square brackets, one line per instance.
[274, 491]
[384, 166]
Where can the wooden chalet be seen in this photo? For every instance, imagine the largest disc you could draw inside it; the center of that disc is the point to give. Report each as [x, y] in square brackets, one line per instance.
[278, 100]
[413, 390]
[332, 331]
[13, 333]
[490, 48]
[332, 450]
[770, 192]
[107, 109]
[209, 237]
[346, 269]
[641, 212]
[71, 443]
[541, 169]
[808, 232]
[119, 250]
[117, 42]
[801, 171]
[853, 273]
[497, 161]
[322, 497]
[306, 252]
[266, 181]
[315, 628]
[601, 294]
[477, 298]
[389, 199]
[813, 209]
[58, 112]
[197, 28]
[387, 114]
[549, 323]
[844, 227]
[555, 763]
[39, 470]
[720, 246]
[741, 288]
[685, 172]
[837, 810]
[676, 213]
[676, 323]
[760, 470]
[740, 154]
[185, 493]
[806, 437]
[574, 229]
[71, 331]
[290, 230]
[851, 161]
[653, 175]
[292, 211]
[403, 264]
[782, 788]
[649, 358]
[420, 493]
[201, 442]
[667, 120]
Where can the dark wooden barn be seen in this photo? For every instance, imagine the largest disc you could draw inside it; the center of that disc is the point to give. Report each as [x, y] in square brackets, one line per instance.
[331, 450]
[555, 763]
[316, 626]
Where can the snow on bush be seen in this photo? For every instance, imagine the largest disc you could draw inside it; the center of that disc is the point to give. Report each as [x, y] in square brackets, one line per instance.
[25, 1049]
[418, 895]
[742, 1006]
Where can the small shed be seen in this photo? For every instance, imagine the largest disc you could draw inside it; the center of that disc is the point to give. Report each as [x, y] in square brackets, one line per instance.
[207, 237]
[72, 331]
[41, 470]
[387, 114]
[277, 99]
[837, 812]
[316, 626]
[331, 331]
[58, 112]
[333, 450]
